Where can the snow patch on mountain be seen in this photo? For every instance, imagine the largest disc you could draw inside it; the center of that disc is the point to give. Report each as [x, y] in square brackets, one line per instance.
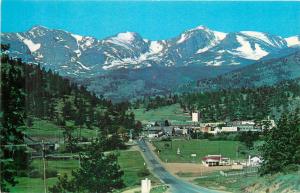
[293, 41]
[88, 42]
[200, 27]
[78, 53]
[156, 47]
[183, 37]
[246, 51]
[39, 56]
[77, 37]
[29, 43]
[220, 35]
[32, 46]
[259, 35]
[126, 37]
[83, 66]
[215, 63]
[201, 50]
[38, 31]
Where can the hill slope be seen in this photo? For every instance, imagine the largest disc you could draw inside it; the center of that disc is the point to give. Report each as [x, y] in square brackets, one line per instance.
[266, 72]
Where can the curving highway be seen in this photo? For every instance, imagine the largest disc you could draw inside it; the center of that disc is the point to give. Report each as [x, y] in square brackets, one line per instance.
[176, 185]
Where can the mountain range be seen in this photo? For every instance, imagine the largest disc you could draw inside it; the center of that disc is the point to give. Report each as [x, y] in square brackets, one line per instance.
[127, 65]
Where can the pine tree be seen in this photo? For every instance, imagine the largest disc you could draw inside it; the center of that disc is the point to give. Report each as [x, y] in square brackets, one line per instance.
[281, 146]
[98, 173]
[12, 117]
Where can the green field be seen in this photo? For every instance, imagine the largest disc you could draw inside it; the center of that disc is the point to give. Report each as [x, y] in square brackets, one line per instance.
[43, 129]
[130, 161]
[35, 185]
[172, 112]
[168, 150]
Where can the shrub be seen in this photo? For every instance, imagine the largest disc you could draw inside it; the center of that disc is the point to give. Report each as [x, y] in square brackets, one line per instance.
[166, 145]
[143, 172]
[166, 139]
[23, 173]
[50, 173]
[291, 168]
[35, 173]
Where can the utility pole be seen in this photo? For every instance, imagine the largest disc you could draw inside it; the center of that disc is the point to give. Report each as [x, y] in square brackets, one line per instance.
[44, 163]
[79, 160]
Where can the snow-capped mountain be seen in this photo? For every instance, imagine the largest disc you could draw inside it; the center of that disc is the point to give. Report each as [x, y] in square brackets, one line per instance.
[76, 55]
[194, 54]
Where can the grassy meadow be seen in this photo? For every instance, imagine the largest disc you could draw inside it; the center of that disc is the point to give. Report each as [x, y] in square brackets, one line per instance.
[168, 149]
[46, 130]
[36, 185]
[131, 163]
[171, 112]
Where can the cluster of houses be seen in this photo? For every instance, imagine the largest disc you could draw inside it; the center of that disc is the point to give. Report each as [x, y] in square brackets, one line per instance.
[219, 160]
[236, 126]
[158, 129]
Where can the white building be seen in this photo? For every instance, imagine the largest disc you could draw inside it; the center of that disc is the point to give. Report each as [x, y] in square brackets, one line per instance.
[152, 135]
[214, 130]
[254, 161]
[229, 129]
[195, 117]
[146, 186]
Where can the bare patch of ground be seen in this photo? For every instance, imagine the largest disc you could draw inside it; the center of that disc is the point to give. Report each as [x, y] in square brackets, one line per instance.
[193, 169]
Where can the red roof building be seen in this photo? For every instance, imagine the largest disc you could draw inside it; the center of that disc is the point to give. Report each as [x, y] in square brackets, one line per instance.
[215, 160]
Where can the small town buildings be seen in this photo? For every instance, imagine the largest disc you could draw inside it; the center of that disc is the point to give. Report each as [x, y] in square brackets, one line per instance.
[213, 124]
[152, 132]
[243, 125]
[184, 128]
[215, 160]
[267, 124]
[211, 130]
[158, 131]
[180, 131]
[168, 130]
[152, 135]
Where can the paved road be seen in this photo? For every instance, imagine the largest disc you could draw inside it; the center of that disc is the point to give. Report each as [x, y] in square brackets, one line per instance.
[176, 185]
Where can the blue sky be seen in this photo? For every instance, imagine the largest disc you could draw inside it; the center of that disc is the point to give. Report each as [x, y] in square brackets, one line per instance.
[153, 20]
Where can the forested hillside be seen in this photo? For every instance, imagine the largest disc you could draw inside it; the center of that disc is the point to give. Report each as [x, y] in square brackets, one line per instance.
[30, 93]
[244, 103]
[49, 96]
[264, 73]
